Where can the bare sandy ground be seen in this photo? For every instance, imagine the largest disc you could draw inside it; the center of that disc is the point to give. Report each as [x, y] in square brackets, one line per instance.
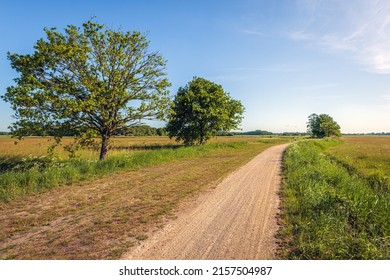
[236, 220]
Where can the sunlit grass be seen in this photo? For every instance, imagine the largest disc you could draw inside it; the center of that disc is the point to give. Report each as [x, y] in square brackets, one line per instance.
[329, 211]
[367, 155]
[37, 146]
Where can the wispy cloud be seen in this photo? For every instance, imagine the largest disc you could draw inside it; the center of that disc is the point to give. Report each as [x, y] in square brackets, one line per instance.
[357, 29]
[302, 36]
[250, 32]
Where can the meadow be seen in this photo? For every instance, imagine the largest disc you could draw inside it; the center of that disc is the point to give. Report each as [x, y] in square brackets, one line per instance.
[12, 149]
[98, 210]
[368, 156]
[336, 199]
[26, 168]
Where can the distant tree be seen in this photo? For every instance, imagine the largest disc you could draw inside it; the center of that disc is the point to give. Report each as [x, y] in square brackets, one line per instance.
[161, 131]
[139, 130]
[314, 126]
[329, 126]
[200, 110]
[88, 82]
[257, 132]
[322, 125]
[226, 133]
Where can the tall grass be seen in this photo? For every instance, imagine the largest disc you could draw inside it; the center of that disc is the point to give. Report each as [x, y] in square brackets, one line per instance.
[41, 176]
[329, 212]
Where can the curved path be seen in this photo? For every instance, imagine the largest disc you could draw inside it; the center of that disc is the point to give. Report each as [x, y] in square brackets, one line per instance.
[236, 220]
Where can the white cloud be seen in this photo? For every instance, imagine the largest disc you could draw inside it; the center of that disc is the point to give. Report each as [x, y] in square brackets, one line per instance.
[251, 32]
[357, 29]
[301, 36]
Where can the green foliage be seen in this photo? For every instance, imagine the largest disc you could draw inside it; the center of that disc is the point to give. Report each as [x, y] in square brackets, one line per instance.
[200, 110]
[328, 211]
[257, 132]
[323, 125]
[86, 81]
[144, 130]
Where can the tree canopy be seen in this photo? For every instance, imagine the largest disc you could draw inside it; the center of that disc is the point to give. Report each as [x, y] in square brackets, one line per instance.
[323, 125]
[88, 81]
[200, 110]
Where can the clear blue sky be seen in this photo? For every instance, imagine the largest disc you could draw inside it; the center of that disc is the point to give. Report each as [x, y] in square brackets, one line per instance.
[283, 59]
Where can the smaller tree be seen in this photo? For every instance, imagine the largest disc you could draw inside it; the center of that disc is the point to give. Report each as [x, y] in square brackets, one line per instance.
[322, 125]
[200, 110]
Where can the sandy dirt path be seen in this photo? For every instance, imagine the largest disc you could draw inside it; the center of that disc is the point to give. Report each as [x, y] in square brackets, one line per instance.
[236, 220]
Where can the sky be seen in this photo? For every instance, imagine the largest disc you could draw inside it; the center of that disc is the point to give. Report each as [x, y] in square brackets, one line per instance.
[283, 59]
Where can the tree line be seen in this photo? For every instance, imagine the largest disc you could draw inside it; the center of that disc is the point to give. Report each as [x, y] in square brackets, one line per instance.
[144, 130]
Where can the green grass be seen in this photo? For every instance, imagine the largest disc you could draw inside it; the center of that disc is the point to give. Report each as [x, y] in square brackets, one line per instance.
[329, 212]
[367, 156]
[45, 174]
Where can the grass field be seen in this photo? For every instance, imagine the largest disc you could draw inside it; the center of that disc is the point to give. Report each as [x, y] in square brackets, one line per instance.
[102, 217]
[37, 146]
[21, 174]
[368, 156]
[336, 199]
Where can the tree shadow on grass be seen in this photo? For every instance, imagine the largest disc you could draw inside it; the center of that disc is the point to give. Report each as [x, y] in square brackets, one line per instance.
[147, 147]
[8, 163]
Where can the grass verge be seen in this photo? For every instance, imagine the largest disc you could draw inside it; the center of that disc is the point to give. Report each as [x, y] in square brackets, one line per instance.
[328, 212]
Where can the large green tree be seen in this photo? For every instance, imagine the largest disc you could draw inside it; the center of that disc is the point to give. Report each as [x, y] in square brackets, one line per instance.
[200, 110]
[87, 81]
[322, 125]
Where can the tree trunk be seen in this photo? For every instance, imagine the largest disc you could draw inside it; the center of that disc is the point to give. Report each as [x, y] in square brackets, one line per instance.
[201, 136]
[104, 148]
